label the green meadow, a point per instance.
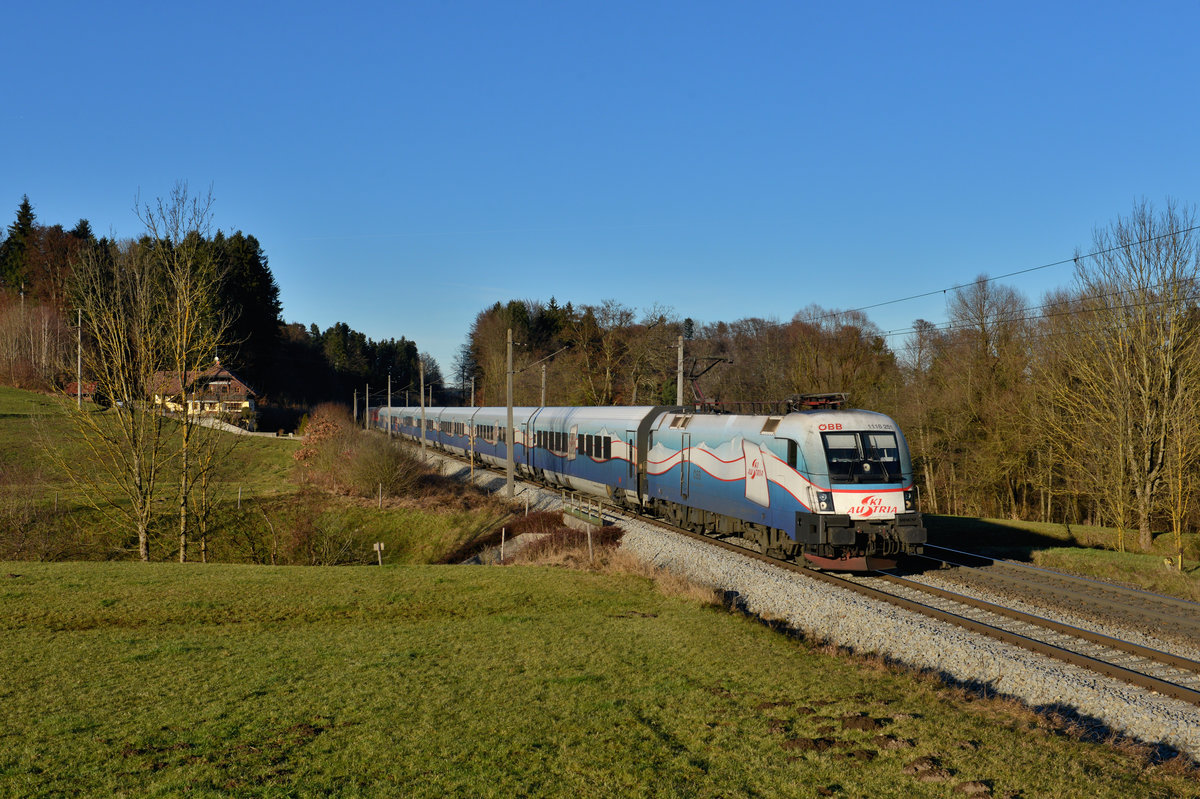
(130, 679)
(239, 678)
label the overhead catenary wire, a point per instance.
(985, 280)
(1072, 308)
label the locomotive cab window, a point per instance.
(862, 457)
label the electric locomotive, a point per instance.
(831, 486)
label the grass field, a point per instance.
(262, 514)
(127, 679)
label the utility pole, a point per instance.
(79, 363)
(679, 374)
(422, 364)
(355, 411)
(367, 408)
(389, 421)
(543, 385)
(472, 392)
(509, 465)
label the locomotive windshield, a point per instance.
(862, 457)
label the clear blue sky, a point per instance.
(405, 165)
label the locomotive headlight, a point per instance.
(824, 500)
(910, 499)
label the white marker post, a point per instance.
(379, 551)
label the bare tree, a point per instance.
(600, 338)
(150, 318)
(1087, 418)
(120, 292)
(1137, 358)
(177, 230)
(1181, 465)
(652, 354)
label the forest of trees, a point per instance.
(1083, 409)
(292, 366)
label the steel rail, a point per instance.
(1028, 573)
(1129, 647)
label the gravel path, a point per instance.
(841, 617)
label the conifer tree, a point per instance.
(14, 251)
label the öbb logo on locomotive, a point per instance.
(774, 478)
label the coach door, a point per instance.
(685, 466)
(631, 455)
(528, 446)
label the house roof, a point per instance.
(215, 379)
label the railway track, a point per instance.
(1163, 616)
(1162, 672)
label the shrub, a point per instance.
(376, 463)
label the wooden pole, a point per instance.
(79, 363)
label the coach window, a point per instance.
(607, 448)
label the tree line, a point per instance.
(1081, 409)
(292, 365)
(152, 316)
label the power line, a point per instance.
(1071, 309)
(985, 280)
